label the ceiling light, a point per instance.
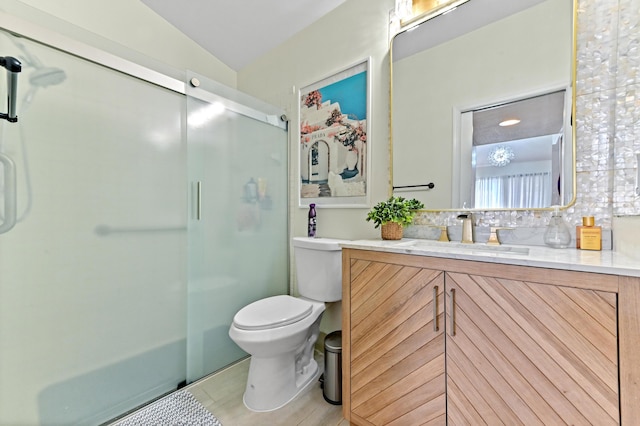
(501, 155)
(510, 122)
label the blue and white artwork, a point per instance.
(334, 137)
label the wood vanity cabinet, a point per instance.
(443, 341)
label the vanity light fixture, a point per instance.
(510, 122)
(410, 11)
(501, 155)
(404, 9)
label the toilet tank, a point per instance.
(318, 268)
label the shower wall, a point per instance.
(95, 294)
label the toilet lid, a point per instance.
(276, 311)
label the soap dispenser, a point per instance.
(557, 234)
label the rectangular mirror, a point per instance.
(456, 77)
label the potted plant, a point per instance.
(393, 215)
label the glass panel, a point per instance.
(238, 247)
(92, 277)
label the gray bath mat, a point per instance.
(178, 409)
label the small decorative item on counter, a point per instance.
(311, 226)
(557, 234)
(391, 231)
(393, 215)
(588, 236)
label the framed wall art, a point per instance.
(335, 140)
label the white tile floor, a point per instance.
(222, 392)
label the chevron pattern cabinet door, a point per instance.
(524, 353)
(397, 355)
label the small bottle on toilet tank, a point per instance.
(311, 228)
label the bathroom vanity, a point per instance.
(437, 333)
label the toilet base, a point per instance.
(273, 382)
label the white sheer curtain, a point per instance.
(527, 190)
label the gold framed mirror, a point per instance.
(455, 76)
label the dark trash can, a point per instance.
(332, 385)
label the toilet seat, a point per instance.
(272, 312)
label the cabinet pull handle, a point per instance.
(435, 309)
(452, 312)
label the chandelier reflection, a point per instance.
(501, 155)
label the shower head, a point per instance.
(41, 76)
(47, 76)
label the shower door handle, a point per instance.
(10, 200)
(198, 200)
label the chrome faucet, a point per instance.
(467, 227)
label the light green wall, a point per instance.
(354, 31)
(132, 24)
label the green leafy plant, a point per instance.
(395, 209)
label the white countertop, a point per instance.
(604, 262)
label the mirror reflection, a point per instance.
(456, 77)
(517, 154)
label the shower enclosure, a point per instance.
(147, 215)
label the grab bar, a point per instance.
(104, 230)
(10, 200)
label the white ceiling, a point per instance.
(237, 32)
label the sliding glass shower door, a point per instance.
(93, 275)
(238, 216)
(120, 279)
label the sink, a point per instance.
(455, 246)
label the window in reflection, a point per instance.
(517, 153)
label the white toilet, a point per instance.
(280, 332)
